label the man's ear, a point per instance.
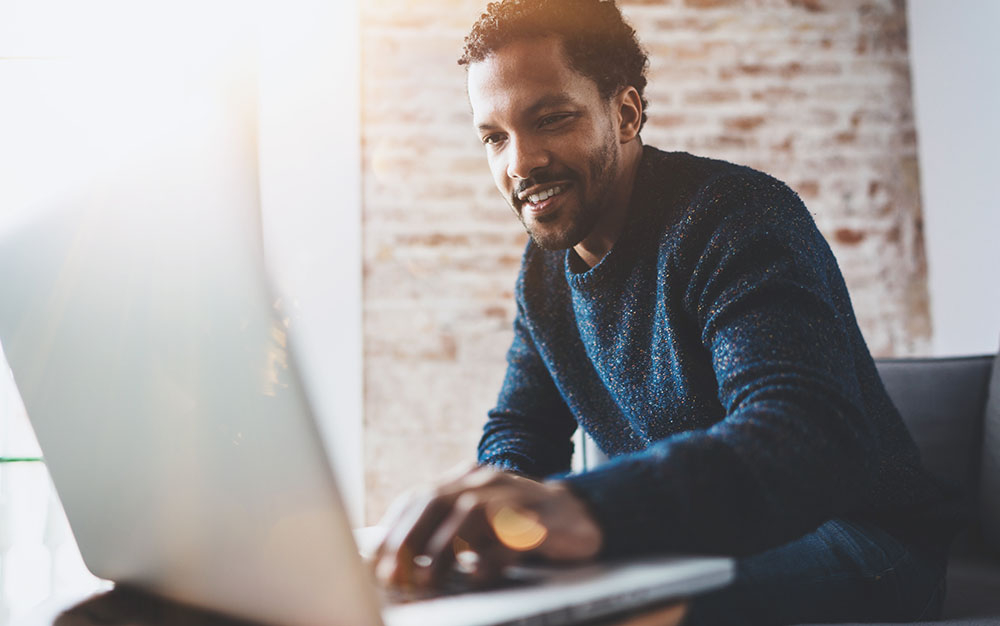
(629, 114)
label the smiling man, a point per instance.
(553, 146)
(688, 315)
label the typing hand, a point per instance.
(495, 517)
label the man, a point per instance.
(689, 316)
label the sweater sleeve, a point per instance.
(794, 448)
(530, 430)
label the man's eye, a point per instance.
(548, 120)
(495, 138)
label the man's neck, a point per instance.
(607, 230)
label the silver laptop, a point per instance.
(157, 372)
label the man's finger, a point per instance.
(412, 520)
(406, 505)
(458, 472)
(407, 538)
(465, 529)
(400, 514)
(410, 532)
(491, 562)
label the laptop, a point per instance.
(158, 373)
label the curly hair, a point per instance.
(599, 43)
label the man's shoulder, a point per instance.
(687, 174)
(710, 202)
(699, 192)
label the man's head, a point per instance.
(556, 93)
(597, 41)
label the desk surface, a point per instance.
(92, 604)
(123, 607)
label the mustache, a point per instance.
(539, 178)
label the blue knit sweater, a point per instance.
(714, 355)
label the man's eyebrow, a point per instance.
(545, 102)
(550, 100)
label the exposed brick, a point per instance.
(808, 188)
(664, 121)
(711, 96)
(496, 312)
(710, 4)
(694, 53)
(697, 23)
(894, 235)
(845, 137)
(786, 71)
(786, 145)
(778, 93)
(743, 122)
(849, 236)
(813, 6)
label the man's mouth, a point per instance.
(545, 194)
(539, 200)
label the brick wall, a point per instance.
(816, 92)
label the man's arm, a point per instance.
(795, 447)
(530, 430)
(499, 510)
(498, 516)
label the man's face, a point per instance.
(550, 137)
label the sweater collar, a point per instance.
(578, 275)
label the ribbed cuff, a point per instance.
(630, 525)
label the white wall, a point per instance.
(310, 178)
(955, 61)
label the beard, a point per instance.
(571, 225)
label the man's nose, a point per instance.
(525, 157)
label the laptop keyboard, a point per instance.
(455, 582)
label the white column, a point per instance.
(955, 60)
(310, 169)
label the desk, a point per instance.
(40, 527)
(74, 602)
(122, 607)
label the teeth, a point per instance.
(535, 198)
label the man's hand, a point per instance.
(499, 517)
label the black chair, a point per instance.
(952, 408)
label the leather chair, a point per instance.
(952, 408)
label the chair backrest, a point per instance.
(942, 402)
(989, 488)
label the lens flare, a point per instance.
(518, 530)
